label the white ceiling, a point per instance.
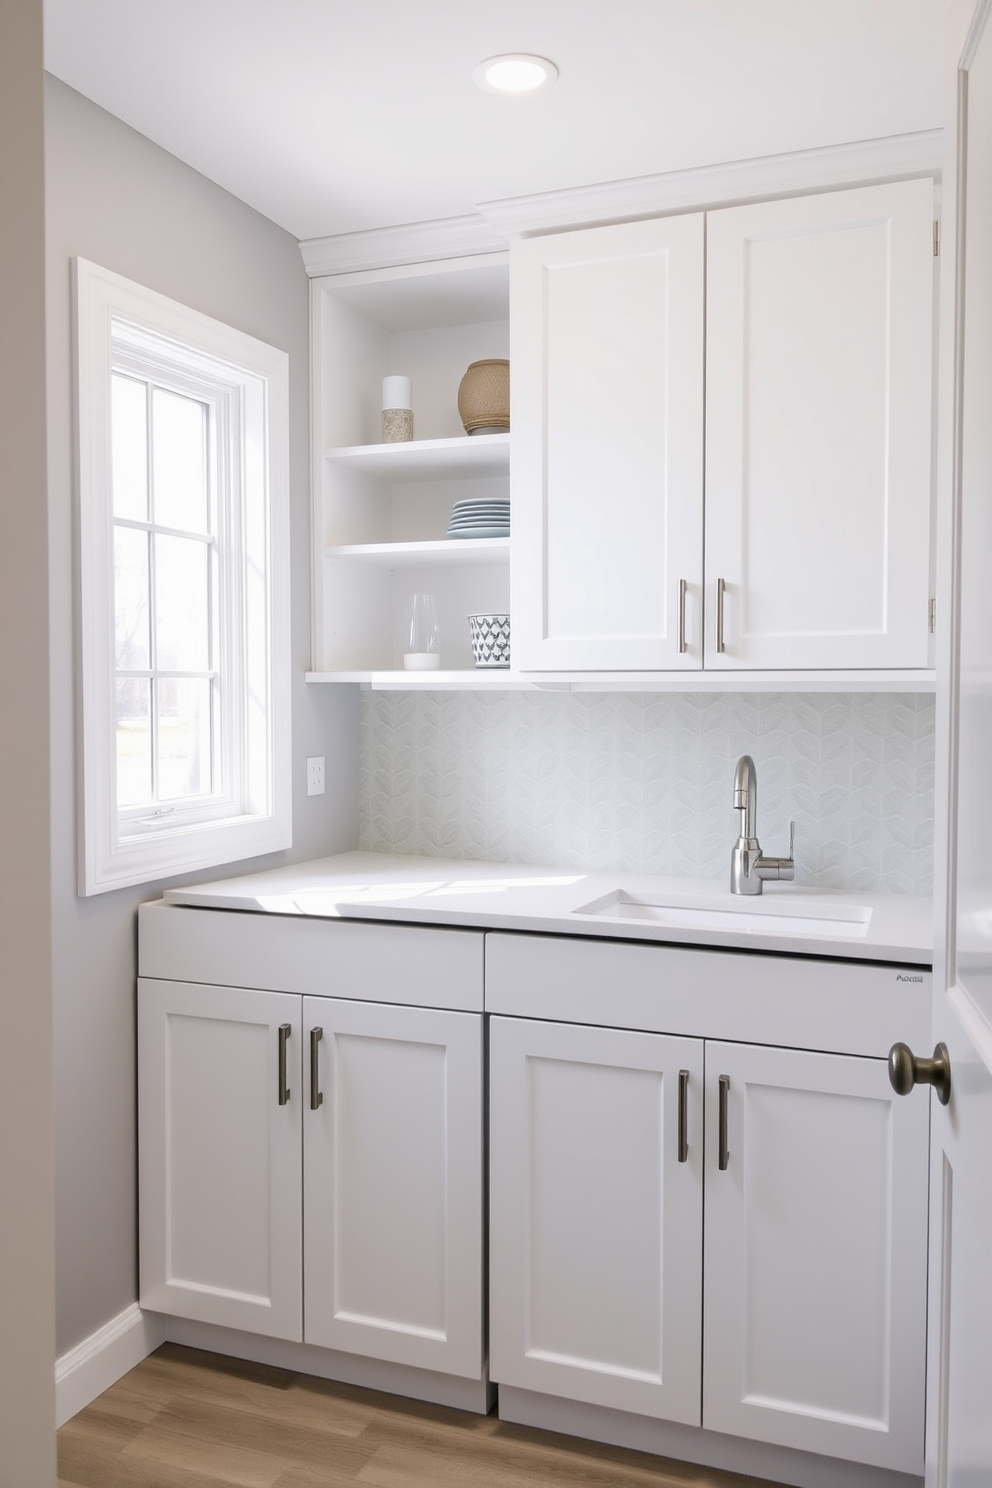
(331, 117)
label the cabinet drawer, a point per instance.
(402, 964)
(795, 1001)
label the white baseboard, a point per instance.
(100, 1360)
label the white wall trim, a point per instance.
(891, 158)
(251, 811)
(411, 242)
(102, 1359)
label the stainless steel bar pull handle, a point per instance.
(724, 1103)
(683, 1116)
(683, 586)
(721, 590)
(905, 1071)
(285, 1029)
(316, 1094)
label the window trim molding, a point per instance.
(107, 859)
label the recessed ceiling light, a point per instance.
(514, 72)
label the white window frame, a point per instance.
(252, 813)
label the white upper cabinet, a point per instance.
(818, 412)
(606, 355)
(818, 430)
(769, 365)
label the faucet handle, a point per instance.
(783, 869)
(787, 866)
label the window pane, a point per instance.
(179, 460)
(182, 611)
(183, 737)
(131, 598)
(134, 742)
(129, 446)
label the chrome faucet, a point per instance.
(748, 869)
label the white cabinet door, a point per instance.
(816, 1253)
(393, 1192)
(607, 470)
(220, 1185)
(596, 1224)
(819, 329)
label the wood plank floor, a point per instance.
(185, 1419)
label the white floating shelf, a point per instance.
(495, 679)
(511, 681)
(443, 553)
(428, 459)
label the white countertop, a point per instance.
(500, 896)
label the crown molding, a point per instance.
(900, 155)
(410, 243)
(488, 229)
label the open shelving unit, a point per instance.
(381, 511)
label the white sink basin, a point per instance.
(771, 917)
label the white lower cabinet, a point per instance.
(219, 1180)
(794, 1313)
(815, 1255)
(597, 1215)
(392, 1184)
(311, 1169)
(705, 1226)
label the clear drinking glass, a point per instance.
(422, 634)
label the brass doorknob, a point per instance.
(905, 1071)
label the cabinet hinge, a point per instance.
(936, 238)
(933, 616)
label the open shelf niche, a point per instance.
(381, 510)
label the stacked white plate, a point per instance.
(480, 518)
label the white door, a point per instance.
(959, 1435)
(393, 1190)
(596, 1215)
(816, 1255)
(220, 1195)
(607, 469)
(819, 331)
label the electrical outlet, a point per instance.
(315, 775)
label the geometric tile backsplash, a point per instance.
(644, 781)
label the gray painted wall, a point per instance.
(27, 1387)
(115, 198)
